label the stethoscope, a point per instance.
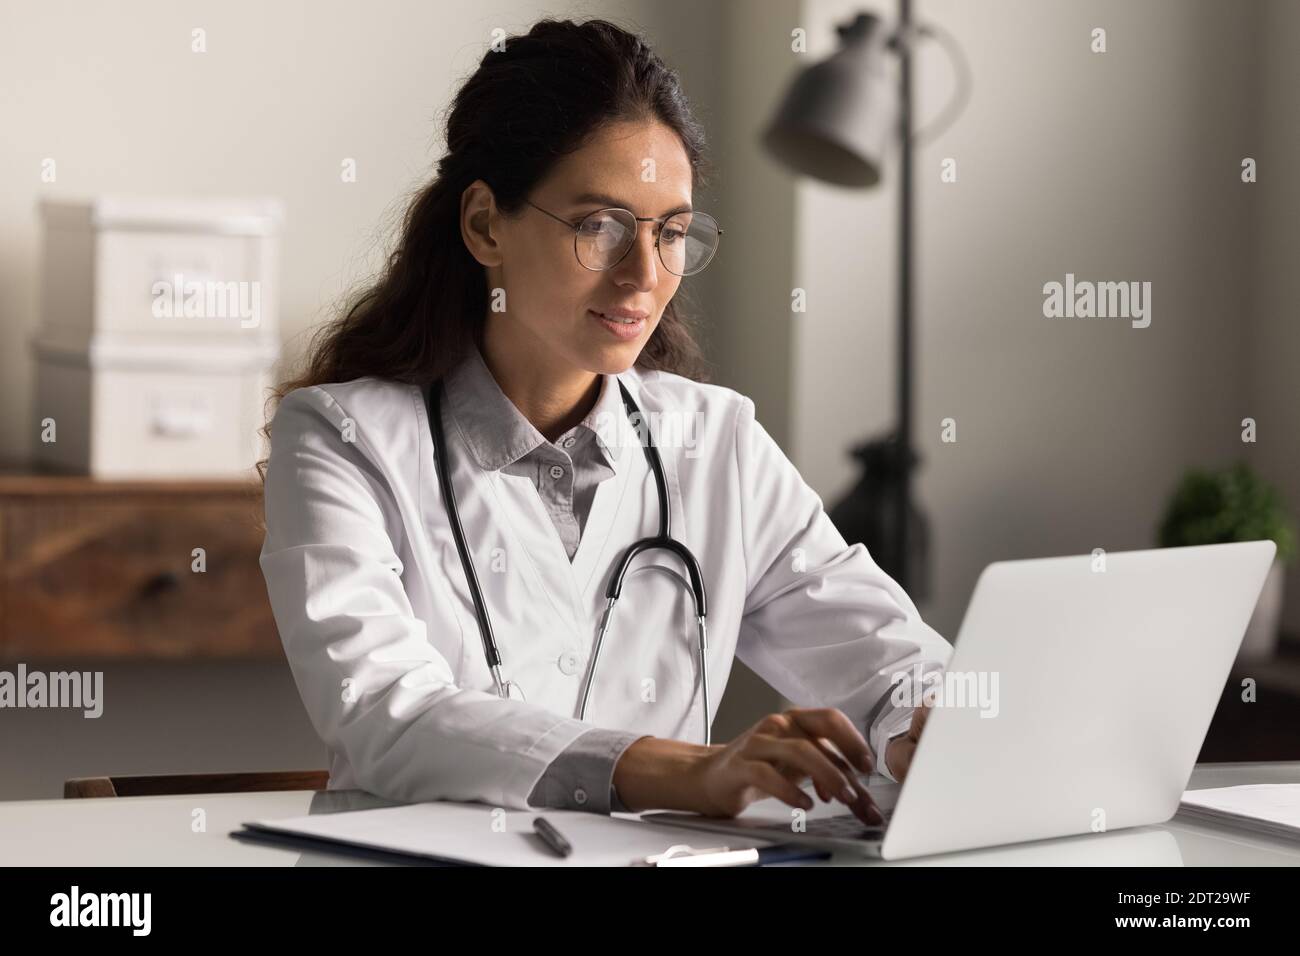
(662, 541)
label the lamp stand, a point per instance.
(878, 511)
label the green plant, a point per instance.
(1233, 504)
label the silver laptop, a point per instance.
(1078, 695)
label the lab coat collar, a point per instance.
(498, 433)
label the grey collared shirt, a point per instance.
(565, 473)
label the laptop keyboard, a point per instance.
(844, 826)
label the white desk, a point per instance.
(157, 831)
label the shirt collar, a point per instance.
(498, 433)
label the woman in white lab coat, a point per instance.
(503, 291)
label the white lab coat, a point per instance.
(377, 623)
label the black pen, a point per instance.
(551, 837)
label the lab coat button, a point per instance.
(557, 471)
(568, 442)
(580, 796)
(569, 662)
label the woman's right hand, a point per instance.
(781, 751)
(771, 758)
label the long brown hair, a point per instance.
(524, 107)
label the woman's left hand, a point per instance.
(899, 752)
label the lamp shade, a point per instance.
(837, 118)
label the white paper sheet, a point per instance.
(1276, 804)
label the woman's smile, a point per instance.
(625, 328)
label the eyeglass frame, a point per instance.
(577, 228)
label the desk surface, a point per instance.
(160, 831)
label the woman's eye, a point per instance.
(670, 235)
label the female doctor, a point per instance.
(443, 594)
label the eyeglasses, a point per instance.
(685, 241)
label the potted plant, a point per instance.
(1235, 504)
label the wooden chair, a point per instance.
(162, 784)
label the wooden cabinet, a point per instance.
(157, 569)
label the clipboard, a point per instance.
(476, 834)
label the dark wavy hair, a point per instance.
(523, 109)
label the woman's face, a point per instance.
(550, 298)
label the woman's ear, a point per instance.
(478, 220)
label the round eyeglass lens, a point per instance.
(604, 236)
(687, 242)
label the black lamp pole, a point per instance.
(903, 509)
(835, 124)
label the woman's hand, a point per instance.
(900, 751)
(778, 753)
(772, 758)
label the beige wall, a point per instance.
(1273, 354)
(755, 266)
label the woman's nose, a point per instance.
(641, 265)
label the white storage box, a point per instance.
(151, 414)
(154, 269)
(158, 338)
